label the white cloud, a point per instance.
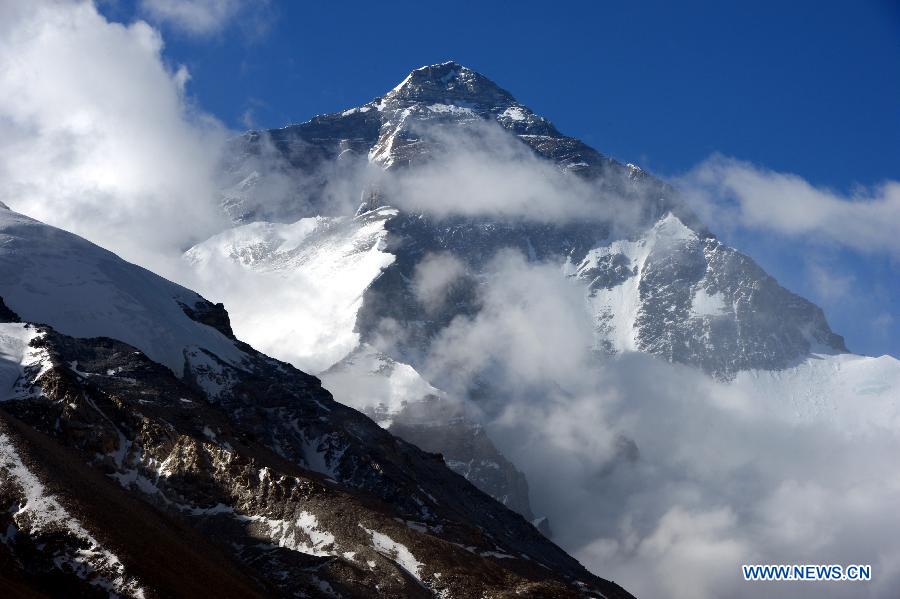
(480, 170)
(657, 476)
(531, 329)
(828, 283)
(727, 192)
(434, 277)
(652, 474)
(96, 135)
(198, 17)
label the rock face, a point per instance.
(236, 477)
(693, 300)
(284, 489)
(396, 397)
(466, 449)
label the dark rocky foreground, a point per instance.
(117, 477)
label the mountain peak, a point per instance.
(450, 82)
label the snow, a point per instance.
(708, 304)
(41, 512)
(847, 392)
(319, 538)
(212, 376)
(615, 310)
(497, 554)
(371, 382)
(514, 113)
(316, 454)
(283, 533)
(382, 153)
(16, 355)
(633, 169)
(397, 552)
(293, 290)
(400, 85)
(104, 296)
(451, 109)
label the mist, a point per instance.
(656, 475)
(116, 153)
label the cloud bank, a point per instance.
(726, 192)
(97, 135)
(201, 17)
(656, 475)
(479, 170)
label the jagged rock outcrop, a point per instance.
(396, 397)
(287, 490)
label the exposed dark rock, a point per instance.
(7, 315)
(433, 425)
(210, 314)
(278, 489)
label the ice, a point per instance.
(293, 290)
(104, 296)
(16, 355)
(397, 552)
(708, 304)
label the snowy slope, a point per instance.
(688, 298)
(377, 385)
(293, 290)
(613, 273)
(850, 393)
(17, 356)
(50, 276)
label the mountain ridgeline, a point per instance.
(667, 269)
(127, 472)
(654, 278)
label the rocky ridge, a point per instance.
(111, 460)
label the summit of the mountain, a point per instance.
(450, 82)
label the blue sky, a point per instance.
(803, 87)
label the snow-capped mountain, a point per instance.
(311, 273)
(182, 462)
(667, 286)
(103, 295)
(657, 281)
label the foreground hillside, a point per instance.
(125, 471)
